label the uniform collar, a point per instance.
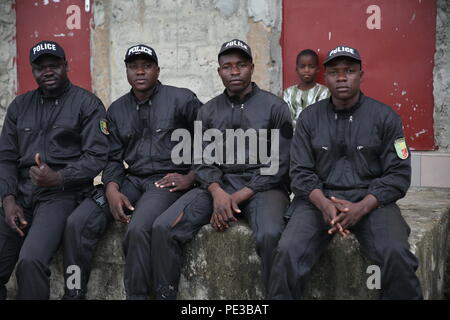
(234, 99)
(347, 111)
(155, 90)
(66, 88)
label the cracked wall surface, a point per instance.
(442, 77)
(7, 58)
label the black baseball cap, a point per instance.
(236, 44)
(141, 50)
(46, 47)
(342, 51)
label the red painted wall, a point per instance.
(64, 21)
(396, 39)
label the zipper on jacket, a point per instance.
(232, 115)
(240, 119)
(47, 127)
(354, 153)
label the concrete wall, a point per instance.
(8, 52)
(442, 77)
(186, 36)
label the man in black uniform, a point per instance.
(349, 165)
(51, 148)
(141, 123)
(231, 188)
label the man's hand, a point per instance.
(177, 181)
(14, 215)
(242, 195)
(329, 211)
(353, 212)
(43, 176)
(224, 208)
(117, 201)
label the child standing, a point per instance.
(307, 91)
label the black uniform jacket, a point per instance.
(349, 154)
(259, 110)
(65, 131)
(140, 133)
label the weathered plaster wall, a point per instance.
(442, 77)
(186, 36)
(8, 52)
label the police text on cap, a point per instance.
(235, 43)
(44, 46)
(341, 49)
(139, 49)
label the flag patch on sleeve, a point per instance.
(401, 148)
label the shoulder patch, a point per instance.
(104, 126)
(401, 148)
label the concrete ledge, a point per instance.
(226, 266)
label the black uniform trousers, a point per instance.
(88, 223)
(179, 224)
(46, 217)
(382, 234)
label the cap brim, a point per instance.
(40, 54)
(142, 55)
(234, 48)
(340, 56)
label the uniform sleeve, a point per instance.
(9, 153)
(396, 177)
(205, 173)
(189, 111)
(94, 146)
(304, 178)
(282, 121)
(114, 170)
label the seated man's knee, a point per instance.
(137, 233)
(88, 219)
(282, 250)
(268, 238)
(78, 217)
(29, 263)
(161, 227)
(395, 250)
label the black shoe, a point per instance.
(166, 293)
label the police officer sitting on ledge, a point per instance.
(233, 189)
(140, 125)
(51, 148)
(349, 166)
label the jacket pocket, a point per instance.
(64, 142)
(367, 161)
(324, 160)
(28, 140)
(162, 145)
